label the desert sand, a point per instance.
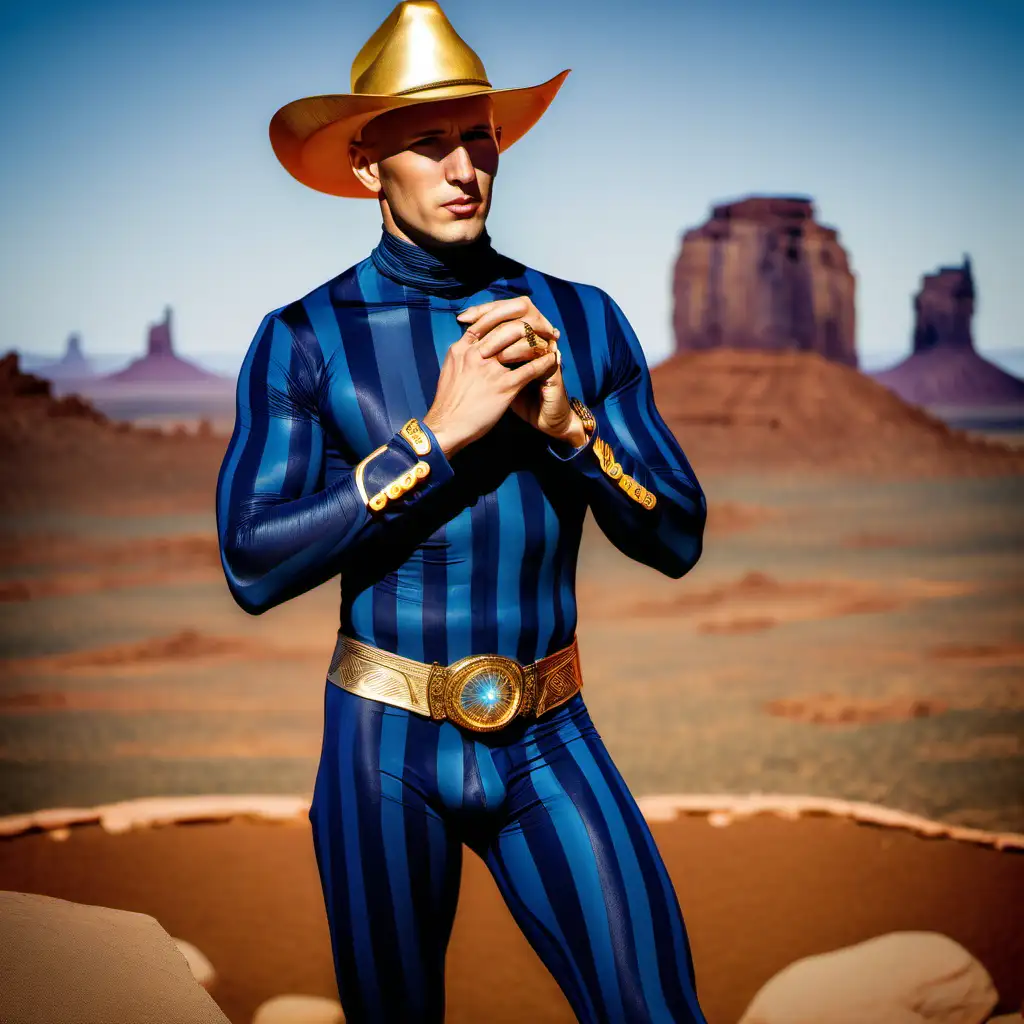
(852, 632)
(758, 892)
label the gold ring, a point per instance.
(530, 334)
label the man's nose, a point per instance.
(458, 166)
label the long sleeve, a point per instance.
(640, 487)
(281, 530)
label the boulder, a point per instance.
(64, 961)
(898, 978)
(299, 1009)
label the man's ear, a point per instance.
(497, 134)
(364, 168)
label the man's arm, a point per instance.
(639, 484)
(281, 532)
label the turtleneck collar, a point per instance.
(453, 272)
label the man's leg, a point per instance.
(389, 866)
(579, 870)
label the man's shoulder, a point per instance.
(587, 293)
(556, 283)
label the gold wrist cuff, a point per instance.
(416, 436)
(585, 415)
(605, 457)
(399, 485)
(637, 491)
(420, 442)
(361, 467)
(613, 470)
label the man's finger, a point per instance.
(546, 327)
(512, 328)
(500, 311)
(551, 378)
(532, 369)
(558, 355)
(473, 312)
(503, 336)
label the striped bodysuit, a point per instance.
(479, 557)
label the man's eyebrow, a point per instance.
(440, 131)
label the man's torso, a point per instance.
(491, 567)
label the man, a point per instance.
(408, 425)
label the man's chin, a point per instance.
(462, 232)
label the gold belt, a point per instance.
(480, 692)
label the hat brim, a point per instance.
(311, 136)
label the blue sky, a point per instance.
(137, 170)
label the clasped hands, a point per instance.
(492, 368)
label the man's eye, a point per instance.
(479, 133)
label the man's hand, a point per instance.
(474, 388)
(542, 402)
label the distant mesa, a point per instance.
(763, 274)
(944, 369)
(160, 365)
(73, 365)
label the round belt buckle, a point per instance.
(484, 691)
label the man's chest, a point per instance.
(381, 370)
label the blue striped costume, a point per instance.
(480, 557)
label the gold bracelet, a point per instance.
(586, 417)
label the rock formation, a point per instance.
(761, 273)
(943, 308)
(786, 411)
(64, 453)
(160, 365)
(73, 365)
(944, 368)
(114, 965)
(25, 397)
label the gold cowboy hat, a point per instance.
(414, 57)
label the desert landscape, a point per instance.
(844, 669)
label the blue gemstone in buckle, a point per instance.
(486, 695)
(484, 692)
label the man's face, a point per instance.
(421, 158)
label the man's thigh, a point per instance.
(580, 872)
(389, 865)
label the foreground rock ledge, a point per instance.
(721, 809)
(64, 961)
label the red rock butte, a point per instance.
(160, 365)
(762, 273)
(73, 365)
(944, 367)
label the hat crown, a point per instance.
(415, 49)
